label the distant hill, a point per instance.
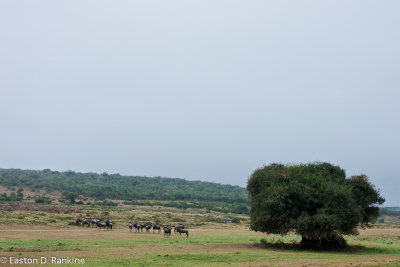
(213, 196)
(389, 212)
(393, 208)
(390, 215)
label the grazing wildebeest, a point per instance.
(148, 227)
(93, 221)
(178, 227)
(183, 231)
(130, 226)
(85, 222)
(144, 225)
(167, 231)
(156, 227)
(109, 224)
(137, 226)
(79, 220)
(101, 225)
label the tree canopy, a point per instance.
(315, 200)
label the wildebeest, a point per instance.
(183, 231)
(93, 221)
(148, 227)
(156, 227)
(85, 222)
(101, 224)
(109, 224)
(137, 226)
(145, 225)
(79, 220)
(130, 226)
(167, 230)
(178, 227)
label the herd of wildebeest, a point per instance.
(180, 228)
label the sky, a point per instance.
(202, 90)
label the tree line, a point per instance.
(226, 198)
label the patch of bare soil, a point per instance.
(25, 250)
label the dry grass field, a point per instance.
(213, 241)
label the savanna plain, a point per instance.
(215, 239)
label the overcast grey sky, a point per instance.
(205, 90)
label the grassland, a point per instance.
(204, 247)
(214, 240)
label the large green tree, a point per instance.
(314, 200)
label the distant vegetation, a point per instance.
(10, 197)
(132, 189)
(393, 208)
(390, 211)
